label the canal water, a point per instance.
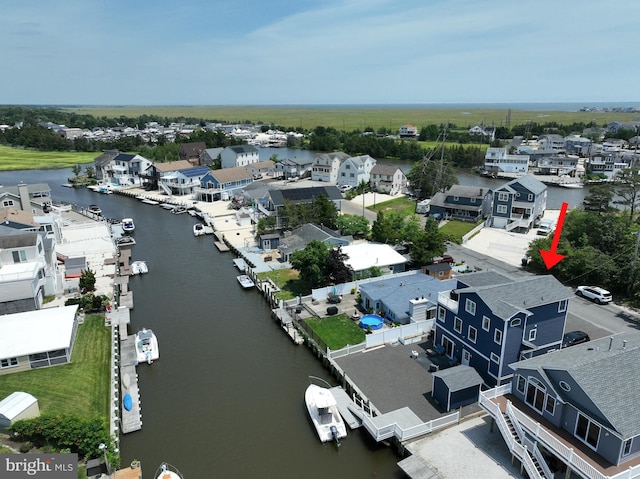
(226, 397)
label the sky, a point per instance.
(317, 52)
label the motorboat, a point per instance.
(198, 229)
(178, 210)
(95, 209)
(245, 281)
(146, 346)
(323, 410)
(139, 267)
(127, 225)
(125, 240)
(167, 471)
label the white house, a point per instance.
(355, 170)
(22, 270)
(37, 339)
(363, 256)
(123, 169)
(326, 165)
(408, 131)
(239, 155)
(388, 179)
(498, 160)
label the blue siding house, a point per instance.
(223, 184)
(519, 204)
(575, 409)
(466, 203)
(489, 320)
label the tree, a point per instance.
(430, 242)
(599, 199)
(311, 262)
(429, 176)
(90, 171)
(628, 188)
(87, 280)
(324, 211)
(76, 169)
(354, 225)
(337, 270)
(387, 228)
(265, 225)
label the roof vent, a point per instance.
(610, 343)
(624, 344)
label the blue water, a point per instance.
(372, 320)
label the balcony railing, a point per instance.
(446, 300)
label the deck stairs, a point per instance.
(518, 223)
(522, 448)
(165, 188)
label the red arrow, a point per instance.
(551, 258)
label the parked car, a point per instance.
(345, 188)
(594, 293)
(445, 258)
(574, 337)
(546, 227)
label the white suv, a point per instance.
(598, 295)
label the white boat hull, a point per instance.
(324, 413)
(146, 346)
(245, 281)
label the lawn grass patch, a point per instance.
(456, 229)
(289, 282)
(80, 388)
(337, 331)
(12, 159)
(401, 206)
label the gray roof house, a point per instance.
(239, 155)
(518, 204)
(276, 199)
(466, 203)
(34, 198)
(300, 237)
(576, 408)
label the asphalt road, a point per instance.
(596, 320)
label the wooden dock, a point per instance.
(131, 420)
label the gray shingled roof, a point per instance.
(530, 183)
(459, 377)
(484, 278)
(299, 195)
(505, 300)
(609, 377)
(12, 238)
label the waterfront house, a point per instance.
(499, 160)
(388, 179)
(489, 321)
(239, 155)
(403, 298)
(518, 204)
(487, 132)
(326, 165)
(363, 256)
(36, 339)
(293, 167)
(575, 409)
(551, 142)
(261, 169)
(466, 203)
(103, 161)
(34, 198)
(222, 184)
(300, 237)
(408, 131)
(192, 152)
(355, 170)
(23, 270)
(577, 145)
(152, 177)
(124, 169)
(558, 165)
(184, 181)
(606, 162)
(275, 200)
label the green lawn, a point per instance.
(456, 229)
(21, 159)
(402, 206)
(337, 331)
(81, 387)
(289, 283)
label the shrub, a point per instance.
(26, 447)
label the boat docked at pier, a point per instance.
(167, 471)
(245, 281)
(146, 346)
(323, 410)
(139, 267)
(198, 229)
(128, 226)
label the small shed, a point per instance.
(456, 387)
(438, 270)
(18, 405)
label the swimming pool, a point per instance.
(372, 321)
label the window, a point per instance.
(7, 203)
(457, 325)
(456, 198)
(473, 200)
(19, 256)
(486, 323)
(470, 307)
(503, 196)
(564, 385)
(501, 209)
(535, 394)
(441, 314)
(516, 322)
(587, 431)
(495, 358)
(550, 407)
(497, 336)
(8, 363)
(530, 197)
(626, 447)
(562, 306)
(532, 334)
(521, 384)
(472, 334)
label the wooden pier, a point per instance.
(131, 420)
